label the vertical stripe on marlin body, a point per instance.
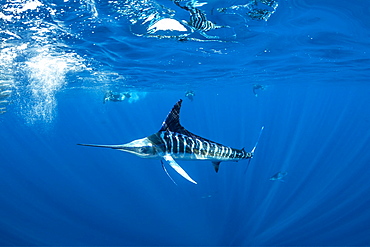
(173, 142)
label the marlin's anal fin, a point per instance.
(216, 165)
(177, 168)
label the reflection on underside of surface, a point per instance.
(150, 19)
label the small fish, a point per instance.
(257, 87)
(279, 176)
(190, 94)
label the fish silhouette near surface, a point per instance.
(173, 142)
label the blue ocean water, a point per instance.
(300, 68)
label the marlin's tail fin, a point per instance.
(259, 136)
(254, 148)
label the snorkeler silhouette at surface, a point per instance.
(115, 96)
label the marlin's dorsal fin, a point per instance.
(172, 124)
(172, 121)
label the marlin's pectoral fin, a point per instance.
(177, 168)
(165, 170)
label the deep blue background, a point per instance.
(313, 59)
(55, 192)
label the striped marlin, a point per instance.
(173, 142)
